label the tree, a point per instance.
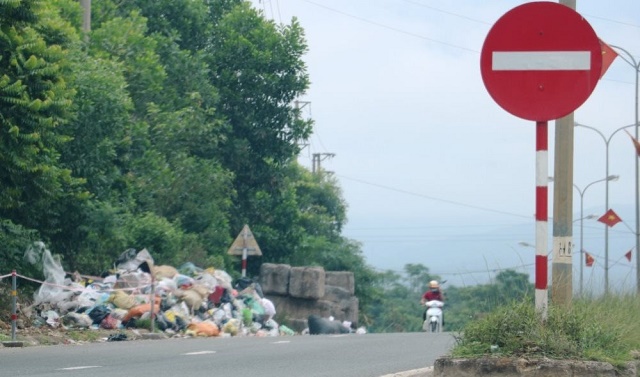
(259, 72)
(465, 304)
(125, 40)
(35, 101)
(182, 129)
(418, 278)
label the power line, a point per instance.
(279, 14)
(362, 19)
(611, 20)
(447, 12)
(437, 199)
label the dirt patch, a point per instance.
(49, 336)
(518, 367)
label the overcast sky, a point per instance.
(432, 169)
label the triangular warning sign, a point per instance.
(245, 240)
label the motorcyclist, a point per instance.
(434, 293)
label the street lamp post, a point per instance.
(581, 192)
(629, 59)
(606, 195)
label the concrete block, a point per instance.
(342, 279)
(307, 282)
(274, 278)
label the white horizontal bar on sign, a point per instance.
(541, 60)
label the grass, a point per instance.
(602, 329)
(84, 335)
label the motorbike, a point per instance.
(433, 318)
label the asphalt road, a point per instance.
(350, 355)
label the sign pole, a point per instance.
(541, 61)
(244, 262)
(244, 253)
(542, 177)
(245, 244)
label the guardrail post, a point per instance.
(14, 312)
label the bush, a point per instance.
(602, 329)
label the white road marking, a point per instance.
(282, 342)
(541, 61)
(198, 353)
(80, 368)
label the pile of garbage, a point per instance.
(187, 300)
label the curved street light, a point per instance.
(607, 140)
(629, 59)
(582, 217)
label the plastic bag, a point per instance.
(284, 330)
(53, 319)
(77, 320)
(231, 327)
(110, 322)
(51, 267)
(122, 300)
(132, 261)
(189, 269)
(98, 313)
(223, 278)
(203, 329)
(117, 337)
(183, 281)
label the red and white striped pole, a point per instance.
(244, 261)
(14, 305)
(542, 178)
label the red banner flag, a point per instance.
(610, 218)
(628, 255)
(635, 142)
(608, 56)
(588, 259)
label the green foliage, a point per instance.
(156, 234)
(258, 70)
(468, 303)
(100, 238)
(602, 329)
(13, 241)
(189, 20)
(394, 298)
(102, 107)
(35, 100)
(393, 303)
(125, 40)
(168, 127)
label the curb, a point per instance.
(13, 344)
(153, 336)
(423, 372)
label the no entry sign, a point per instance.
(541, 61)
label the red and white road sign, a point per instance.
(541, 61)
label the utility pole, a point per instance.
(317, 159)
(299, 105)
(86, 18)
(561, 269)
(86, 15)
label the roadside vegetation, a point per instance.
(598, 329)
(168, 127)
